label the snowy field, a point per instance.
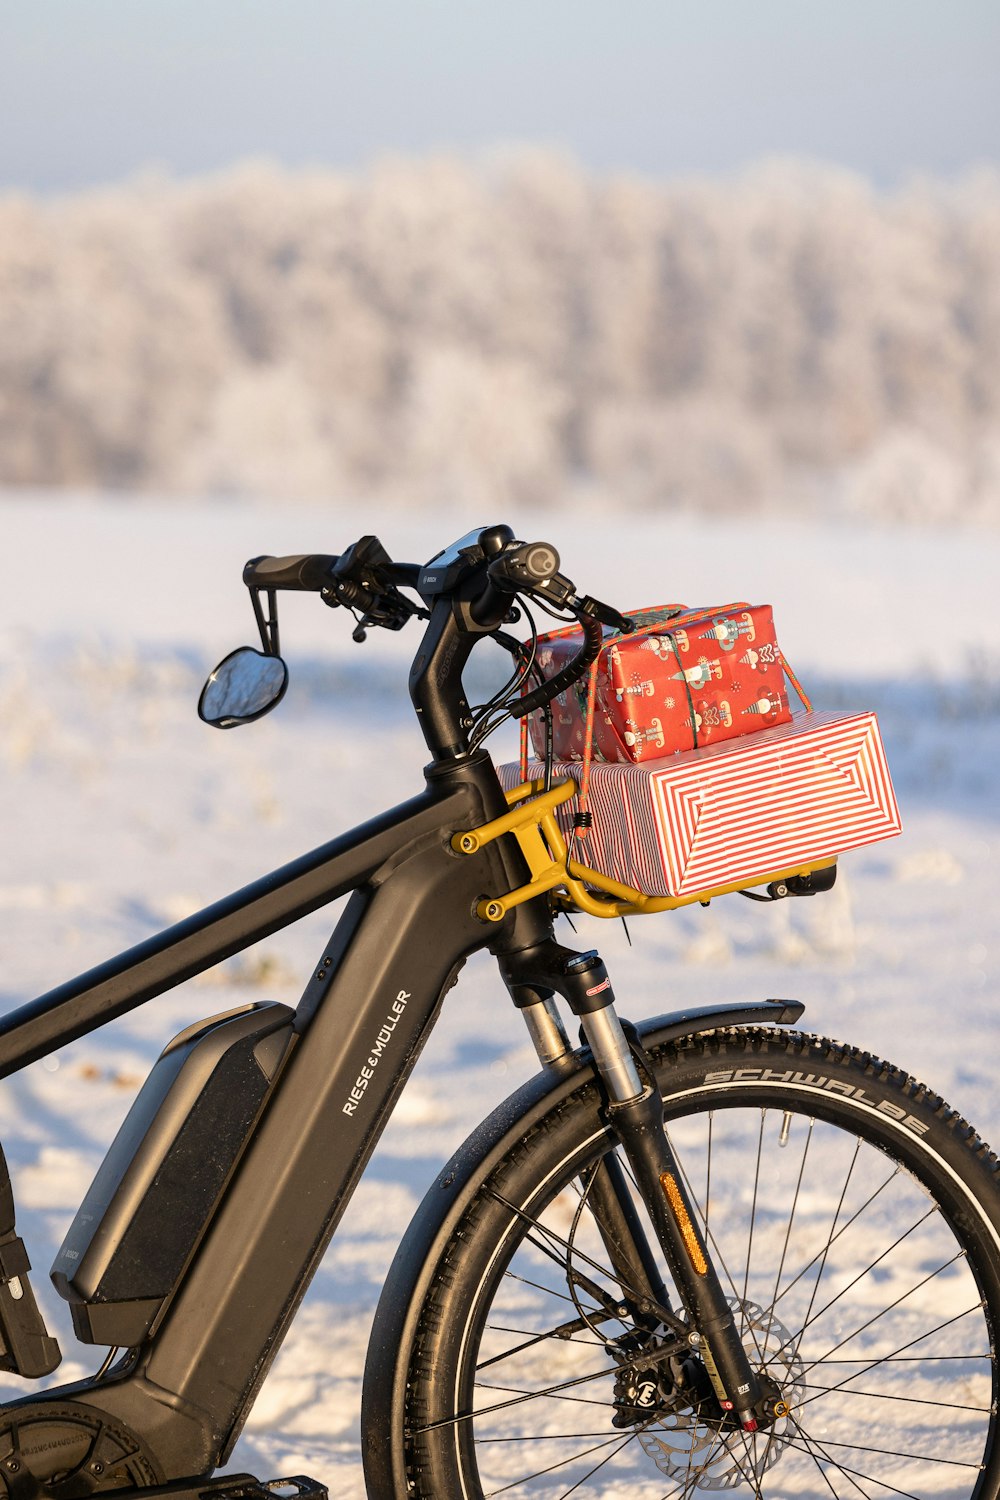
(120, 813)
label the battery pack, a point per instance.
(166, 1171)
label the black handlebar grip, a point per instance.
(593, 639)
(306, 571)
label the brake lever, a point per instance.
(357, 582)
(389, 610)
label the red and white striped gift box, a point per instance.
(744, 808)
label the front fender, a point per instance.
(415, 1262)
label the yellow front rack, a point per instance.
(531, 819)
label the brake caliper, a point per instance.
(644, 1384)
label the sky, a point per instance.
(94, 90)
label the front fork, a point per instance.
(635, 1113)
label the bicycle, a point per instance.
(703, 1252)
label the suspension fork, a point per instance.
(635, 1113)
(625, 1241)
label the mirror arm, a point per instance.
(268, 626)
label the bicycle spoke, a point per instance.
(922, 1458)
(823, 1249)
(851, 1475)
(834, 1237)
(815, 1452)
(788, 1227)
(547, 1393)
(544, 1437)
(752, 1478)
(882, 1313)
(597, 1467)
(564, 1244)
(835, 1233)
(807, 1449)
(919, 1359)
(873, 1364)
(539, 1286)
(532, 1339)
(866, 1272)
(887, 1396)
(753, 1205)
(551, 1468)
(769, 1445)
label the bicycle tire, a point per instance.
(855, 1221)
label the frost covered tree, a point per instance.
(510, 327)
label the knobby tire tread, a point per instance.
(949, 1138)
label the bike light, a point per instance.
(689, 1234)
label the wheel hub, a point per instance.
(677, 1417)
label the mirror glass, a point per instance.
(243, 686)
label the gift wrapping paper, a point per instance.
(704, 677)
(793, 794)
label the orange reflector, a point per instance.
(689, 1234)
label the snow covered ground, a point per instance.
(120, 812)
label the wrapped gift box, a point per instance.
(687, 678)
(569, 708)
(734, 811)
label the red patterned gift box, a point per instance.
(737, 810)
(687, 677)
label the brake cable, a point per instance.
(504, 700)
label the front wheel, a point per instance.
(854, 1221)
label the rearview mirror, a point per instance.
(245, 685)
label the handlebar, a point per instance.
(308, 571)
(315, 572)
(468, 592)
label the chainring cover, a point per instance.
(67, 1451)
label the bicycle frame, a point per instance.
(406, 931)
(415, 913)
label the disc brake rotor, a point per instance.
(704, 1453)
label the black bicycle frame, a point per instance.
(201, 1342)
(363, 1018)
